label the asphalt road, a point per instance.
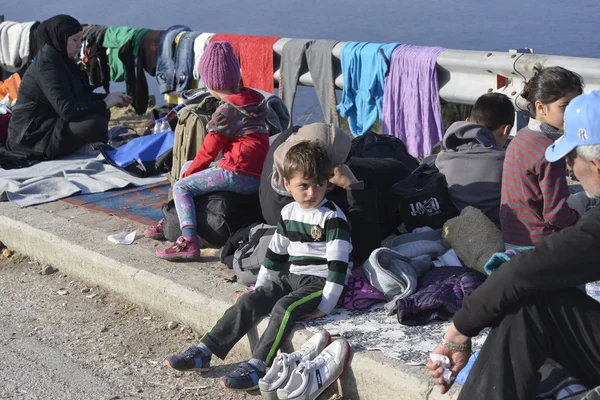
(92, 345)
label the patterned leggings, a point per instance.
(206, 181)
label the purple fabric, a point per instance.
(440, 295)
(359, 294)
(411, 103)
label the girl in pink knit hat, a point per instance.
(237, 128)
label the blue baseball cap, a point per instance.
(582, 126)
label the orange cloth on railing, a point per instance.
(256, 58)
(10, 87)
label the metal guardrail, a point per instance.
(464, 75)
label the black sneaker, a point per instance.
(244, 377)
(190, 360)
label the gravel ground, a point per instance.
(89, 344)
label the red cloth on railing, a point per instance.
(256, 58)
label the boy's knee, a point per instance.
(280, 308)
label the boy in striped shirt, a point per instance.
(313, 236)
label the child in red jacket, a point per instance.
(237, 128)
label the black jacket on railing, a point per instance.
(52, 94)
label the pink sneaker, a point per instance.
(156, 232)
(183, 249)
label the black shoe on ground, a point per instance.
(244, 377)
(190, 360)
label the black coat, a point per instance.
(52, 94)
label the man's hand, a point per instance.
(342, 176)
(313, 315)
(458, 359)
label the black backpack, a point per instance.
(218, 216)
(251, 253)
(424, 199)
(231, 245)
(373, 145)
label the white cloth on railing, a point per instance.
(200, 44)
(14, 45)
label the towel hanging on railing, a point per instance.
(319, 59)
(364, 72)
(411, 102)
(256, 58)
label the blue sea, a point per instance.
(550, 26)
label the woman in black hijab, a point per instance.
(56, 112)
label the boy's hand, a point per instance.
(313, 315)
(238, 294)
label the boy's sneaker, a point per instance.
(156, 232)
(284, 364)
(183, 249)
(244, 377)
(193, 359)
(311, 378)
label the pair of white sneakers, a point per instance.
(308, 372)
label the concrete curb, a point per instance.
(83, 253)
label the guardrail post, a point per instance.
(521, 117)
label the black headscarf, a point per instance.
(56, 31)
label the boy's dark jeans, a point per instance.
(286, 298)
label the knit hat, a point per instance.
(219, 66)
(336, 142)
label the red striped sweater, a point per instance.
(534, 191)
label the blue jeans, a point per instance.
(165, 65)
(184, 61)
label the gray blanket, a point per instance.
(80, 173)
(373, 330)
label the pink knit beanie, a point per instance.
(219, 66)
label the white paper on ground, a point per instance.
(122, 238)
(445, 361)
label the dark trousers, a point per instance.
(563, 325)
(94, 128)
(287, 299)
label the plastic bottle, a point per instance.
(593, 290)
(157, 126)
(164, 125)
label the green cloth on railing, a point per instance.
(136, 40)
(114, 38)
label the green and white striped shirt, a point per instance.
(315, 242)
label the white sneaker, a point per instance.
(284, 364)
(311, 378)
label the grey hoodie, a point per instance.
(472, 164)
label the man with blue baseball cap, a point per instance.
(579, 145)
(532, 303)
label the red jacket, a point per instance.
(238, 128)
